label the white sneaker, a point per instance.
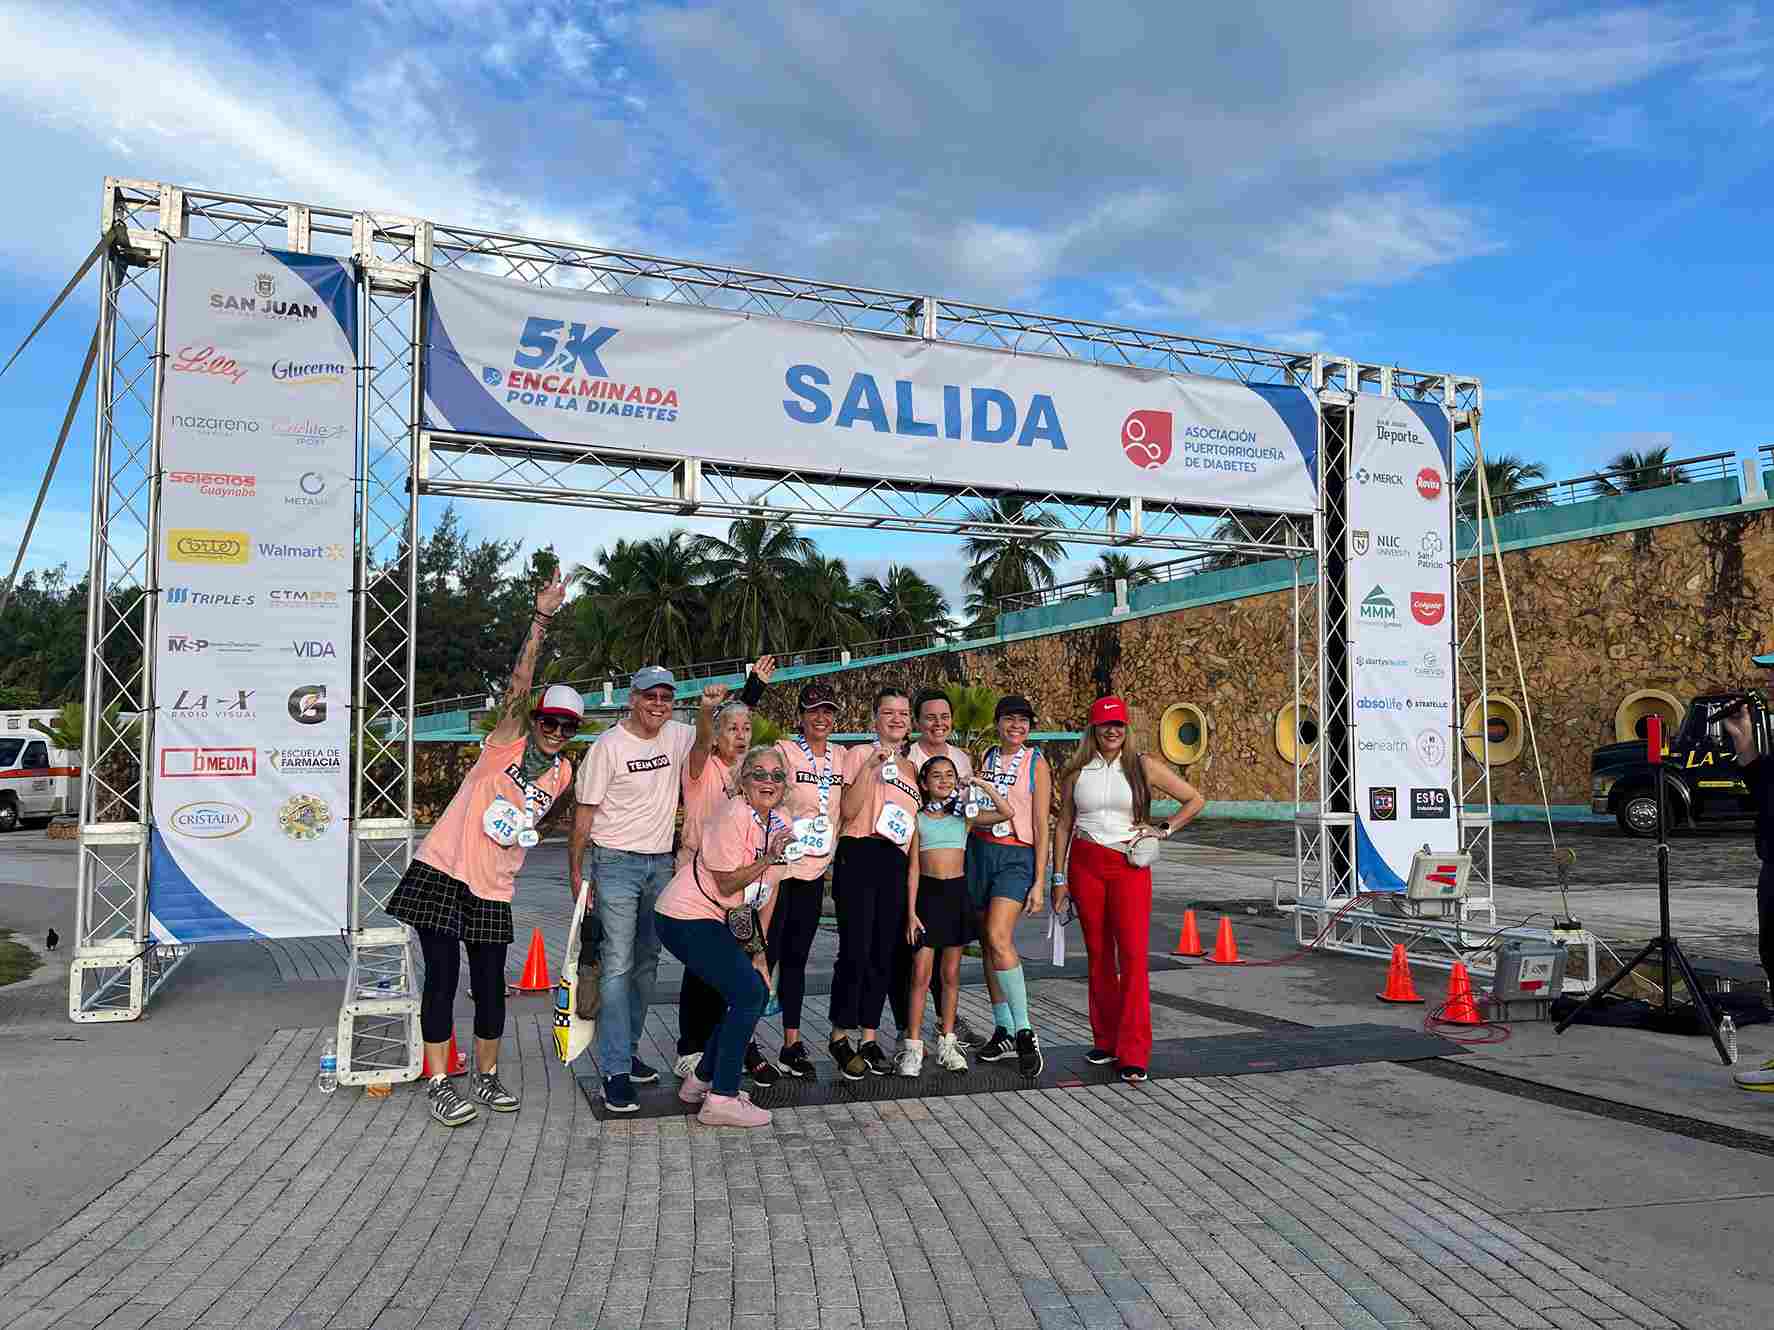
(910, 1059)
(949, 1055)
(1761, 1079)
(685, 1067)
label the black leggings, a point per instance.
(794, 923)
(868, 888)
(443, 967)
(700, 1008)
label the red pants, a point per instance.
(1115, 910)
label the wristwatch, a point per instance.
(1058, 879)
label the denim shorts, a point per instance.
(999, 872)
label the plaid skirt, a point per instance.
(440, 903)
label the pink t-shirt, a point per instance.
(703, 797)
(633, 784)
(802, 797)
(903, 791)
(459, 844)
(732, 838)
(1019, 795)
(963, 763)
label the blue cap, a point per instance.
(653, 676)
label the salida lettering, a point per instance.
(991, 415)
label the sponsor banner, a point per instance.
(253, 660)
(1400, 587)
(509, 360)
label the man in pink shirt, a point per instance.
(628, 791)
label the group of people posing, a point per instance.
(925, 853)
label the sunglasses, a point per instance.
(776, 775)
(557, 724)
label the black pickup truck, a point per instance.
(1703, 784)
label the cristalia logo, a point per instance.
(1427, 607)
(1146, 438)
(1429, 483)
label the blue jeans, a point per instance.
(709, 952)
(628, 887)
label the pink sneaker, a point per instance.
(692, 1091)
(719, 1110)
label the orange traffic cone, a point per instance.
(535, 978)
(1225, 949)
(1189, 941)
(458, 1064)
(1460, 1009)
(1399, 987)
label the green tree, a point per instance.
(1646, 469)
(826, 608)
(1514, 484)
(1112, 566)
(658, 600)
(43, 639)
(903, 603)
(749, 577)
(972, 705)
(1009, 564)
(463, 612)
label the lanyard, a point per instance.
(774, 824)
(825, 774)
(1004, 782)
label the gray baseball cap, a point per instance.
(651, 677)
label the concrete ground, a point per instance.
(183, 1171)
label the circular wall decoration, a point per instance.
(1632, 718)
(1500, 720)
(1295, 750)
(1182, 733)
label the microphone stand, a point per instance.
(1663, 945)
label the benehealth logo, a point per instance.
(1378, 608)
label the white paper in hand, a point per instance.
(1056, 936)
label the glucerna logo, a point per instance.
(975, 415)
(309, 371)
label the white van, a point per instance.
(37, 781)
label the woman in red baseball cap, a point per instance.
(1106, 842)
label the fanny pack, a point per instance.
(743, 921)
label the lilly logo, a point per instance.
(1145, 438)
(209, 819)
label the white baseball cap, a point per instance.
(561, 700)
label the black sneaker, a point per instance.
(850, 1064)
(762, 1071)
(619, 1095)
(999, 1047)
(796, 1063)
(447, 1106)
(968, 1037)
(878, 1063)
(1099, 1057)
(641, 1074)
(1028, 1053)
(1133, 1075)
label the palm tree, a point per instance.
(1006, 565)
(1270, 528)
(1646, 470)
(594, 641)
(827, 609)
(1512, 481)
(904, 604)
(748, 576)
(657, 601)
(1113, 566)
(972, 706)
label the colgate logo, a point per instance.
(1145, 438)
(1427, 607)
(1429, 483)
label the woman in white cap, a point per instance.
(1106, 842)
(457, 891)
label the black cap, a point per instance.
(817, 695)
(1013, 704)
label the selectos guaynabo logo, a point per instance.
(195, 545)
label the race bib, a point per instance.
(502, 821)
(895, 823)
(793, 852)
(1004, 829)
(814, 835)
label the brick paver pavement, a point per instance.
(1208, 1204)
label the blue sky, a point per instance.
(1566, 201)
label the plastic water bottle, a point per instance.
(1728, 1033)
(329, 1066)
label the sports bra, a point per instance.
(945, 831)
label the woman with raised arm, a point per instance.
(1107, 841)
(457, 891)
(880, 810)
(713, 916)
(1006, 867)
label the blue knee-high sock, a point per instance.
(1001, 1016)
(1016, 998)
